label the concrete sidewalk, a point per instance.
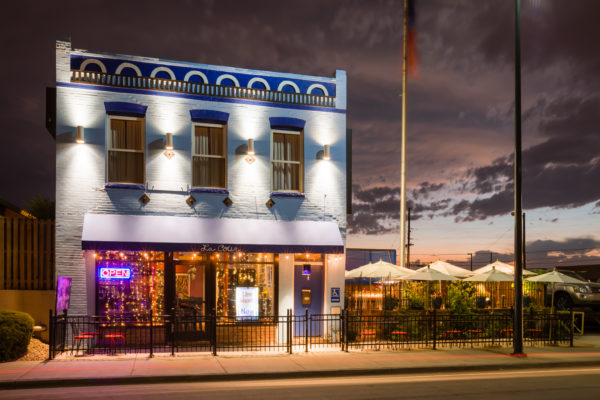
(129, 369)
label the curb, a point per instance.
(133, 380)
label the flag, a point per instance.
(411, 50)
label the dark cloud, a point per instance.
(425, 189)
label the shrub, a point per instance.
(461, 297)
(16, 329)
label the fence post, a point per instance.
(50, 334)
(213, 322)
(342, 319)
(346, 330)
(172, 335)
(306, 327)
(434, 330)
(64, 344)
(571, 326)
(289, 330)
(151, 335)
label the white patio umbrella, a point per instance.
(380, 269)
(428, 275)
(502, 267)
(447, 268)
(553, 278)
(491, 276)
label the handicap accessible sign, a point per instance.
(335, 294)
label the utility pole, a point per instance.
(471, 254)
(491, 257)
(408, 243)
(524, 255)
(518, 173)
(403, 141)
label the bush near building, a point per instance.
(16, 329)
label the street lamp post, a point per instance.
(471, 254)
(518, 294)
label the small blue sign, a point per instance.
(335, 294)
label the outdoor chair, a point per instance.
(82, 337)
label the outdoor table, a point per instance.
(535, 333)
(452, 334)
(400, 334)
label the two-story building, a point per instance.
(185, 185)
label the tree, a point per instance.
(40, 207)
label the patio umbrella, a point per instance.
(447, 268)
(491, 276)
(380, 269)
(555, 277)
(428, 275)
(502, 267)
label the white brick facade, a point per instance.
(80, 168)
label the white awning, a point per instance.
(169, 233)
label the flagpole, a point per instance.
(403, 146)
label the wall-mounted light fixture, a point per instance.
(80, 135)
(250, 153)
(326, 153)
(169, 153)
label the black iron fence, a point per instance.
(149, 333)
(442, 330)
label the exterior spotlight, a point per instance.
(169, 145)
(169, 153)
(190, 201)
(326, 153)
(80, 135)
(250, 153)
(144, 199)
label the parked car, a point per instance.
(567, 295)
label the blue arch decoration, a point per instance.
(125, 109)
(181, 71)
(287, 123)
(209, 116)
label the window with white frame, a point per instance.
(287, 161)
(209, 158)
(125, 160)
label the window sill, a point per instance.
(124, 186)
(292, 195)
(209, 190)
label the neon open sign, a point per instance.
(115, 273)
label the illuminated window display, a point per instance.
(129, 283)
(245, 286)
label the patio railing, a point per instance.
(149, 333)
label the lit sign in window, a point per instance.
(246, 303)
(115, 273)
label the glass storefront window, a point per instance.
(245, 286)
(129, 283)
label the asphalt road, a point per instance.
(547, 384)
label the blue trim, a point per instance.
(196, 247)
(293, 195)
(199, 97)
(209, 190)
(210, 116)
(212, 75)
(124, 186)
(124, 109)
(287, 123)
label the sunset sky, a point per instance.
(460, 118)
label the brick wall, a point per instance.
(80, 168)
